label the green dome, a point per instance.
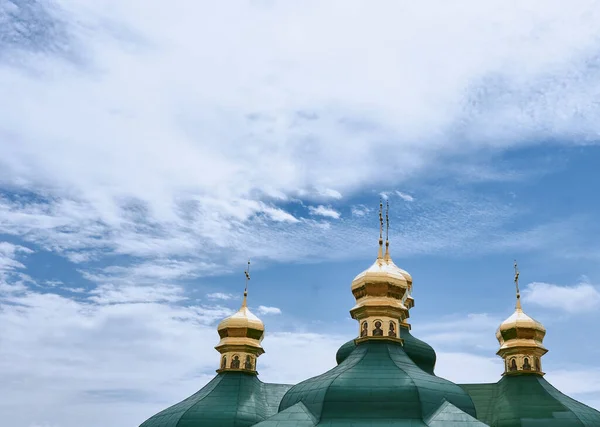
(344, 351)
(230, 399)
(528, 400)
(419, 351)
(377, 381)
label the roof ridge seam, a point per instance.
(351, 365)
(199, 400)
(411, 378)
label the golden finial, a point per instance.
(387, 230)
(247, 273)
(380, 253)
(517, 285)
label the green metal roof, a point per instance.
(419, 351)
(376, 384)
(344, 351)
(230, 399)
(449, 415)
(297, 415)
(528, 401)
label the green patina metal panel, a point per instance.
(418, 351)
(230, 399)
(344, 351)
(297, 415)
(448, 415)
(588, 416)
(377, 383)
(528, 401)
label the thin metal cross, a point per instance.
(247, 273)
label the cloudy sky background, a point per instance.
(148, 149)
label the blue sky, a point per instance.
(149, 149)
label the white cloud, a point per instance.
(188, 161)
(360, 211)
(580, 298)
(74, 290)
(405, 196)
(8, 256)
(576, 381)
(280, 215)
(473, 332)
(220, 295)
(467, 368)
(324, 211)
(12, 279)
(111, 294)
(268, 310)
(174, 178)
(330, 193)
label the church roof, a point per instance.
(449, 415)
(376, 382)
(421, 353)
(230, 399)
(528, 401)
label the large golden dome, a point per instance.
(382, 271)
(382, 294)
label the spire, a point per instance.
(521, 340)
(387, 231)
(380, 291)
(380, 253)
(518, 306)
(247, 273)
(241, 335)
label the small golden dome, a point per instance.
(521, 340)
(243, 318)
(519, 326)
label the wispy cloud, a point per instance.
(580, 298)
(324, 211)
(405, 196)
(111, 294)
(220, 296)
(12, 278)
(191, 162)
(268, 310)
(360, 211)
(194, 186)
(474, 332)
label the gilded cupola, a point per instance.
(521, 340)
(241, 335)
(382, 293)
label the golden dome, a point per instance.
(521, 341)
(384, 272)
(241, 335)
(520, 329)
(243, 318)
(382, 294)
